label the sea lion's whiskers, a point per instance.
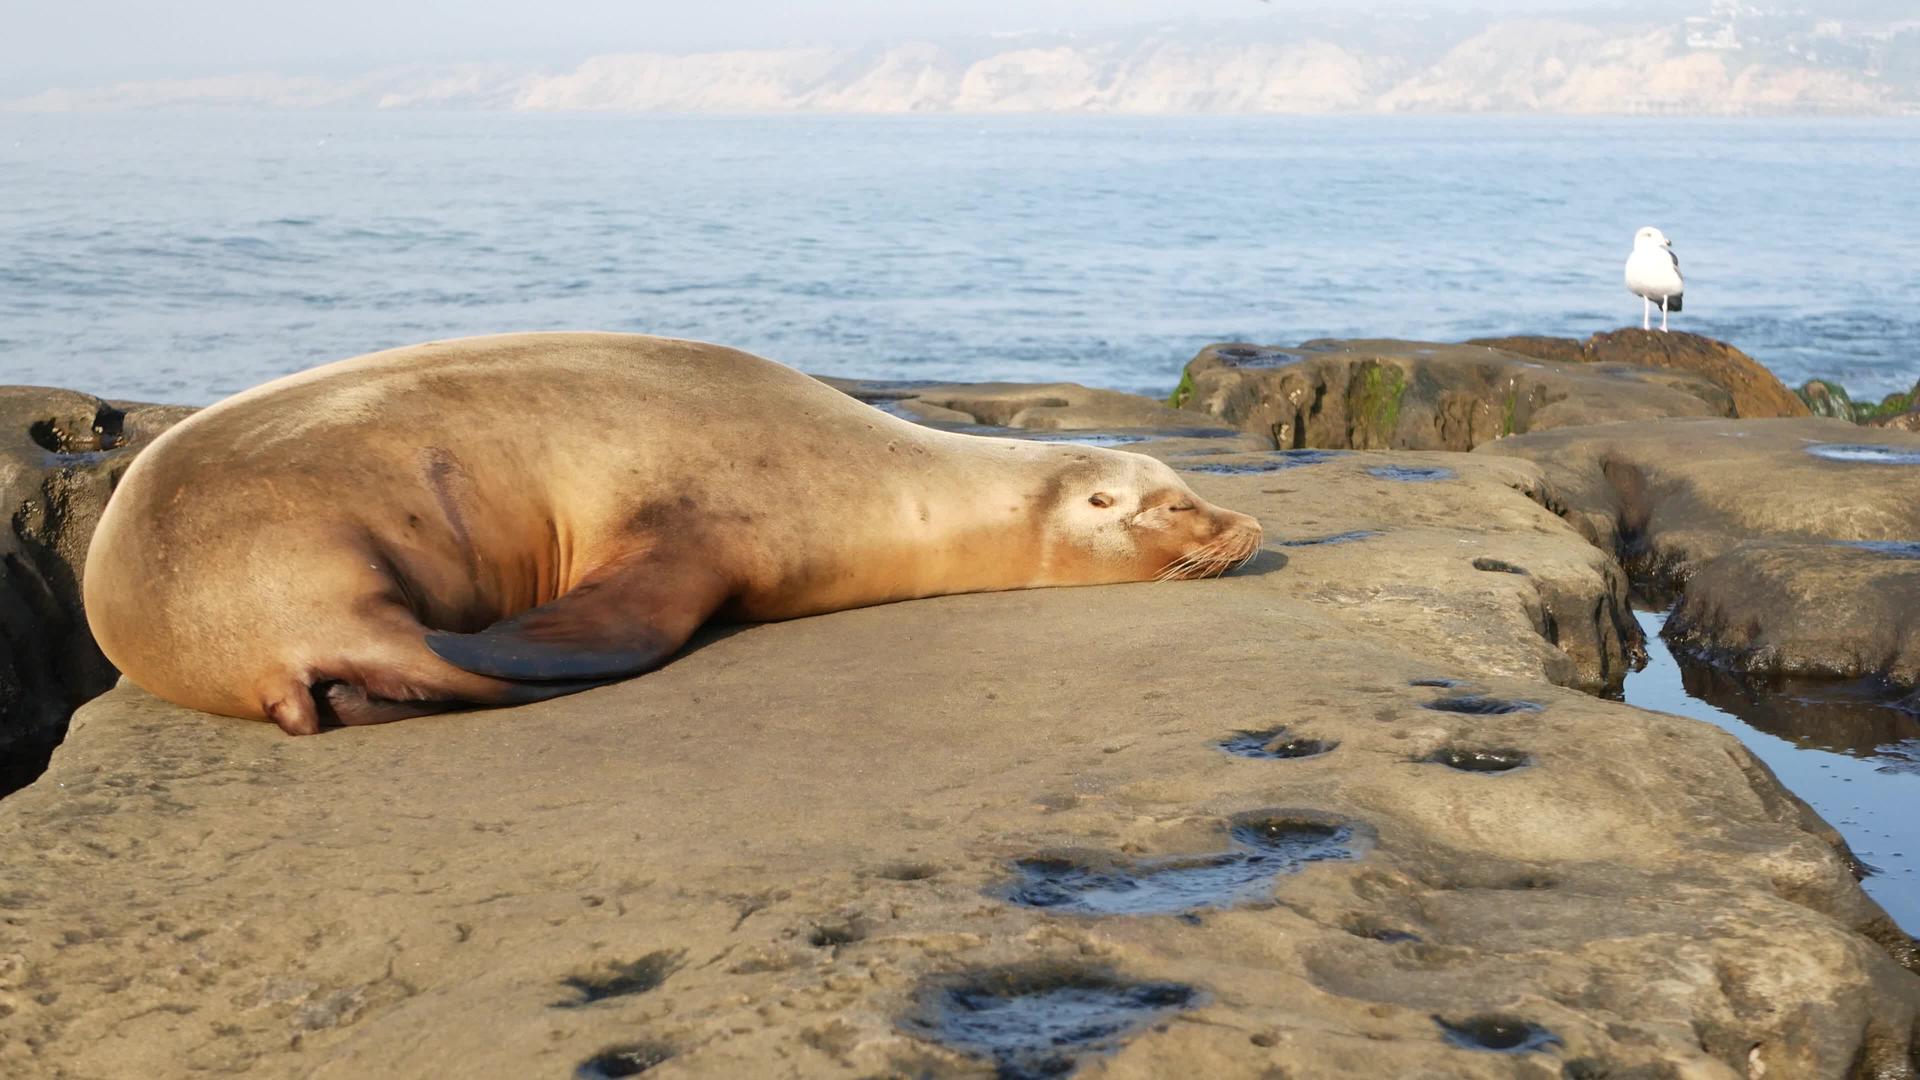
(1192, 561)
(1184, 563)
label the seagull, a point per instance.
(1653, 273)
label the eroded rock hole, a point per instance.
(1265, 846)
(907, 872)
(1481, 761)
(832, 935)
(1274, 743)
(1039, 1021)
(622, 979)
(1387, 934)
(629, 1059)
(1498, 566)
(1499, 1034)
(1476, 705)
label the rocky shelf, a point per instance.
(1357, 810)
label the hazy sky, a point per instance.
(109, 40)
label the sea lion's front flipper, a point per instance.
(623, 619)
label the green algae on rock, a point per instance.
(1423, 396)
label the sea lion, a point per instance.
(498, 520)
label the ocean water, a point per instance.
(182, 257)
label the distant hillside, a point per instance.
(1735, 61)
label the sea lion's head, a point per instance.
(1117, 516)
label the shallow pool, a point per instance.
(1855, 758)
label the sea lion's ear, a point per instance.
(1101, 499)
(623, 619)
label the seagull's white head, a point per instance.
(1651, 237)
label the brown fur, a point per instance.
(557, 510)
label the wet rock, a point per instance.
(1264, 846)
(1800, 575)
(60, 454)
(1416, 395)
(1807, 609)
(1037, 1022)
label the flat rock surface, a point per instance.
(1797, 542)
(1426, 396)
(795, 850)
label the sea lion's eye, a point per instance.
(1181, 508)
(1101, 499)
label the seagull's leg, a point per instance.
(1646, 314)
(1663, 314)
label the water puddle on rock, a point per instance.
(1275, 461)
(1480, 761)
(1275, 744)
(1864, 454)
(1899, 549)
(1237, 468)
(1481, 705)
(1038, 1022)
(618, 1061)
(1265, 846)
(1412, 474)
(1336, 538)
(1498, 1034)
(1851, 755)
(1086, 438)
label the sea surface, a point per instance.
(183, 256)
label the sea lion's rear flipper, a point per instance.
(623, 619)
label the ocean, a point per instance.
(181, 257)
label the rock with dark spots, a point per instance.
(1794, 540)
(759, 858)
(1420, 396)
(60, 454)
(1757, 393)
